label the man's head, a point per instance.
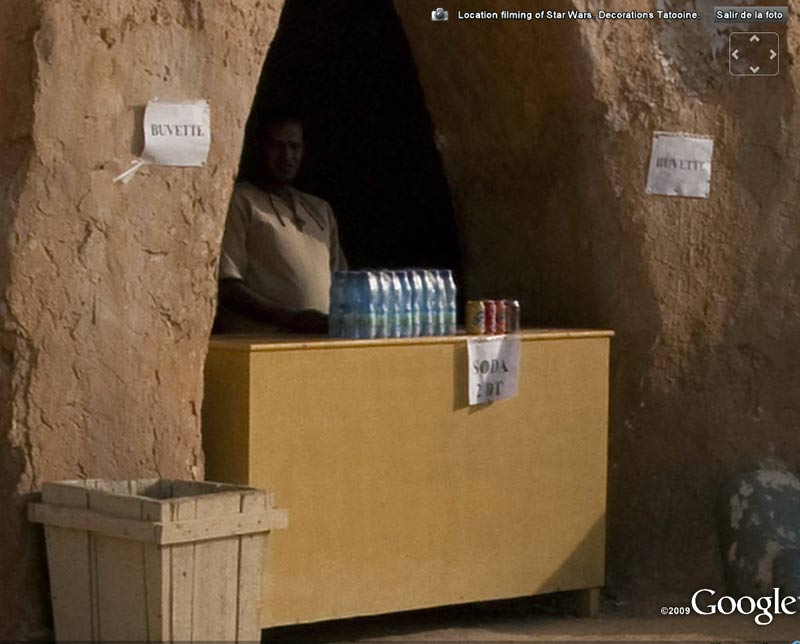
(283, 147)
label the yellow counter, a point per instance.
(401, 496)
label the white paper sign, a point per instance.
(493, 368)
(680, 165)
(177, 133)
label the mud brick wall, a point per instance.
(544, 129)
(108, 289)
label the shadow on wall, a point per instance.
(23, 597)
(528, 151)
(346, 68)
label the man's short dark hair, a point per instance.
(273, 117)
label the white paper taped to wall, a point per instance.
(680, 165)
(493, 368)
(176, 134)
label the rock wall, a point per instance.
(107, 289)
(545, 130)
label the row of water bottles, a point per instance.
(392, 303)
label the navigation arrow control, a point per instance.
(754, 53)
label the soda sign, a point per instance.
(493, 368)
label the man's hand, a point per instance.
(239, 297)
(309, 321)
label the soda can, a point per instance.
(491, 316)
(476, 317)
(512, 316)
(500, 317)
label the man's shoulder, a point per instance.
(315, 202)
(319, 208)
(247, 191)
(248, 198)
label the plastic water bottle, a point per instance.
(439, 301)
(431, 293)
(384, 304)
(415, 325)
(376, 325)
(358, 292)
(360, 298)
(406, 304)
(451, 306)
(348, 307)
(335, 311)
(432, 287)
(367, 304)
(425, 297)
(395, 305)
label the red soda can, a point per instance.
(500, 317)
(512, 316)
(491, 316)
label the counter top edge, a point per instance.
(284, 343)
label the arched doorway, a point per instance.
(346, 67)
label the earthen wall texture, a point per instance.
(107, 289)
(545, 128)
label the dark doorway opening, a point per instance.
(346, 67)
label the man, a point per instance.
(280, 245)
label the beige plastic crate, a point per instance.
(155, 560)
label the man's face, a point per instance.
(284, 151)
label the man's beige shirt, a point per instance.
(286, 259)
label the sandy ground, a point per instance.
(523, 620)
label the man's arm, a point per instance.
(237, 296)
(338, 259)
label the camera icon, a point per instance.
(439, 15)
